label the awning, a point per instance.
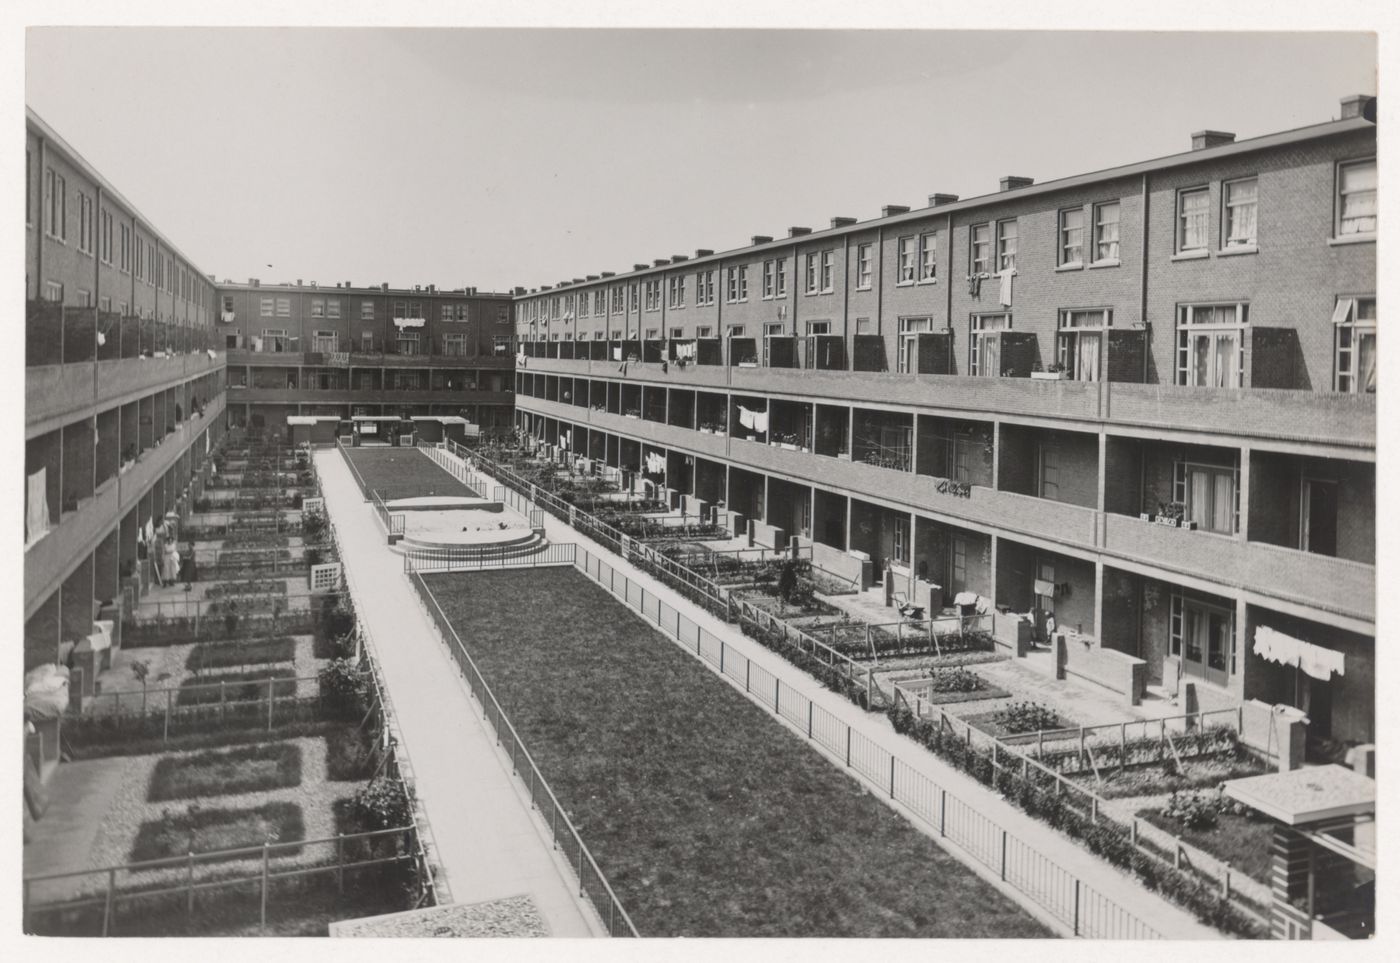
(1316, 661)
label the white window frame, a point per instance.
(1185, 219)
(1008, 239)
(909, 331)
(1181, 492)
(810, 275)
(865, 266)
(268, 307)
(1340, 202)
(1228, 209)
(284, 307)
(1076, 323)
(318, 308)
(780, 290)
(1101, 229)
(827, 267)
(905, 261)
(977, 327)
(1189, 326)
(1351, 327)
(928, 257)
(769, 280)
(1070, 252)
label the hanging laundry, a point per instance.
(760, 422)
(1316, 661)
(1004, 286)
(617, 354)
(745, 417)
(36, 515)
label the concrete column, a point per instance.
(1103, 469)
(1241, 653)
(1098, 597)
(996, 461)
(1244, 492)
(992, 572)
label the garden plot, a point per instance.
(171, 666)
(705, 815)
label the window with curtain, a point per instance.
(1106, 231)
(1072, 236)
(1209, 494)
(1008, 233)
(928, 257)
(905, 261)
(980, 249)
(1081, 339)
(1210, 345)
(1241, 213)
(1193, 220)
(1356, 198)
(1355, 321)
(984, 346)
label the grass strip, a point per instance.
(224, 772)
(209, 830)
(706, 816)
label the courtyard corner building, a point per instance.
(1132, 410)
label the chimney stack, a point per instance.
(938, 200)
(1206, 139)
(891, 209)
(640, 267)
(678, 258)
(703, 252)
(592, 277)
(842, 221)
(609, 274)
(384, 286)
(758, 239)
(660, 262)
(799, 231)
(1012, 183)
(298, 282)
(1359, 105)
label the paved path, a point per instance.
(488, 839)
(80, 794)
(1165, 917)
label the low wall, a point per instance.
(1276, 735)
(1012, 633)
(1114, 670)
(838, 563)
(769, 536)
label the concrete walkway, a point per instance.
(1168, 919)
(488, 839)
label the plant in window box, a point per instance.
(1055, 372)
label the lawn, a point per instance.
(405, 468)
(222, 772)
(224, 655)
(208, 830)
(1243, 842)
(237, 687)
(706, 816)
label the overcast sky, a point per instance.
(504, 157)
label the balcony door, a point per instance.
(1209, 496)
(1318, 528)
(957, 567)
(1204, 637)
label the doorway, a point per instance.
(1318, 526)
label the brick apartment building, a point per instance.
(342, 350)
(124, 389)
(993, 394)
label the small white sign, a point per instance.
(313, 505)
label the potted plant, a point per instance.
(1054, 372)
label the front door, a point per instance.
(957, 567)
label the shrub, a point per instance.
(1021, 717)
(343, 688)
(383, 804)
(349, 754)
(955, 680)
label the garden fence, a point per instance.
(466, 558)
(100, 892)
(269, 701)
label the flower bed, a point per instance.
(224, 772)
(1019, 719)
(205, 830)
(234, 619)
(246, 589)
(225, 655)
(959, 685)
(1039, 796)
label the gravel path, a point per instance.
(515, 916)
